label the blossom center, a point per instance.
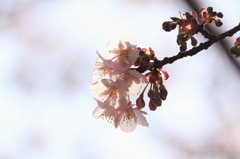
(129, 117)
(107, 116)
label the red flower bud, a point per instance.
(193, 41)
(152, 105)
(158, 100)
(151, 78)
(183, 48)
(219, 14)
(151, 93)
(163, 92)
(237, 41)
(214, 14)
(166, 26)
(194, 14)
(218, 23)
(172, 26)
(235, 52)
(210, 9)
(140, 102)
(164, 74)
(159, 81)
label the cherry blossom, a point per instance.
(121, 56)
(106, 112)
(129, 117)
(101, 70)
(134, 80)
(112, 92)
(126, 118)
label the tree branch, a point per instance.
(195, 5)
(195, 50)
(205, 33)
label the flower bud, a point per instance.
(146, 58)
(175, 19)
(214, 14)
(193, 41)
(194, 14)
(172, 26)
(158, 100)
(141, 53)
(166, 25)
(210, 9)
(163, 92)
(237, 41)
(140, 102)
(219, 14)
(218, 23)
(151, 94)
(188, 15)
(235, 52)
(183, 48)
(151, 78)
(152, 54)
(152, 105)
(159, 80)
(164, 74)
(179, 41)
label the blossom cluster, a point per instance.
(188, 25)
(125, 68)
(119, 74)
(114, 81)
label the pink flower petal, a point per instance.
(141, 120)
(127, 121)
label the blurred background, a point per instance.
(47, 54)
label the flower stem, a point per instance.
(145, 88)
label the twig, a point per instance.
(205, 33)
(195, 5)
(195, 50)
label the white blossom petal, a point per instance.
(122, 54)
(134, 80)
(137, 76)
(129, 118)
(108, 82)
(141, 120)
(97, 88)
(134, 88)
(111, 92)
(101, 69)
(104, 114)
(127, 121)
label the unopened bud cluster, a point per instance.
(188, 25)
(157, 91)
(145, 60)
(208, 16)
